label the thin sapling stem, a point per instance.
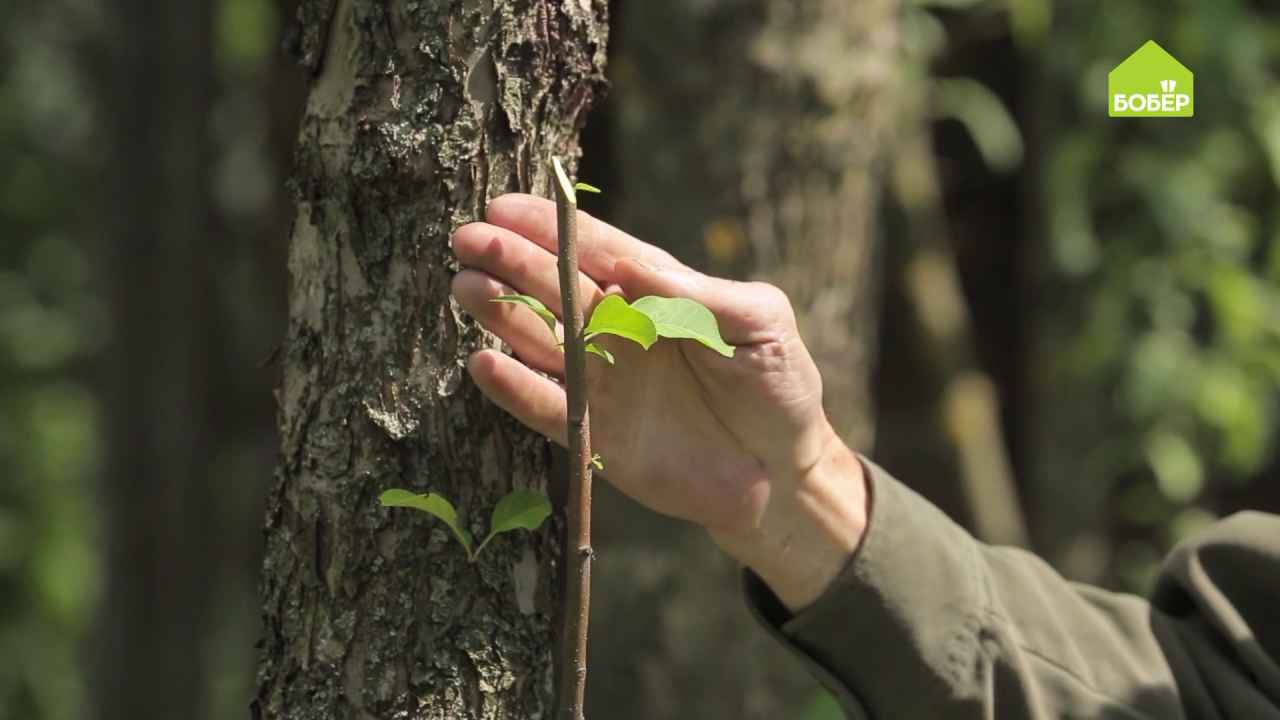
(571, 692)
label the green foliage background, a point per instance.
(48, 416)
(1159, 362)
(1153, 357)
(54, 326)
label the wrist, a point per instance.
(812, 523)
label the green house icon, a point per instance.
(1151, 83)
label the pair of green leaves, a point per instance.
(520, 510)
(642, 322)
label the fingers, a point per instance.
(524, 331)
(599, 243)
(746, 312)
(514, 260)
(537, 402)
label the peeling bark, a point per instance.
(419, 112)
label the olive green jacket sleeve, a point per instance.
(927, 622)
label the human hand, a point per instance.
(738, 445)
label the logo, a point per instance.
(1151, 83)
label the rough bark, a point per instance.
(418, 114)
(750, 141)
(153, 73)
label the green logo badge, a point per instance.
(1151, 83)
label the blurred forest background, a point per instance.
(1078, 321)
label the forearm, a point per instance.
(925, 621)
(811, 526)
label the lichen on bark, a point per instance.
(419, 112)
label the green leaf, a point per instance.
(585, 187)
(614, 317)
(597, 462)
(684, 319)
(533, 304)
(520, 510)
(432, 504)
(595, 349)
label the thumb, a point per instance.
(747, 312)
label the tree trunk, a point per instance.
(154, 75)
(750, 139)
(418, 114)
(953, 443)
(250, 266)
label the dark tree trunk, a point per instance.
(940, 418)
(155, 83)
(418, 114)
(252, 281)
(750, 137)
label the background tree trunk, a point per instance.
(418, 114)
(259, 105)
(940, 415)
(749, 136)
(155, 77)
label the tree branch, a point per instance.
(577, 599)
